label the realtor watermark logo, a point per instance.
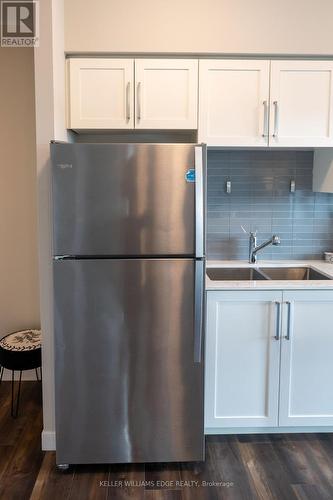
(19, 23)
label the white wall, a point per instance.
(50, 124)
(208, 26)
(19, 300)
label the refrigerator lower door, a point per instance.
(129, 383)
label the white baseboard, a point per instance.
(266, 430)
(48, 441)
(26, 375)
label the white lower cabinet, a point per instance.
(306, 380)
(269, 359)
(242, 359)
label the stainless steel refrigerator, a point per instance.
(129, 271)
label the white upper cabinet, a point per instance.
(301, 103)
(306, 389)
(242, 103)
(242, 359)
(166, 93)
(234, 102)
(104, 94)
(100, 93)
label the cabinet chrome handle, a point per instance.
(265, 129)
(276, 118)
(290, 319)
(128, 106)
(277, 320)
(138, 96)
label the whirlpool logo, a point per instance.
(19, 23)
(63, 166)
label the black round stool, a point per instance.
(20, 351)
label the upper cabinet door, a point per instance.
(166, 93)
(100, 93)
(234, 102)
(301, 103)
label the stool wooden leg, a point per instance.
(1, 373)
(18, 395)
(37, 376)
(12, 405)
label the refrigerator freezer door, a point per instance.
(128, 386)
(124, 199)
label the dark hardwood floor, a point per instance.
(298, 466)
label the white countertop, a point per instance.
(318, 265)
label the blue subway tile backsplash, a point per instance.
(261, 200)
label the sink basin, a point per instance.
(264, 273)
(293, 273)
(234, 274)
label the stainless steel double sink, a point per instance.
(264, 273)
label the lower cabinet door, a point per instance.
(306, 385)
(242, 358)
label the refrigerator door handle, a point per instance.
(198, 309)
(200, 152)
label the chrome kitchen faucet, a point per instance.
(254, 248)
